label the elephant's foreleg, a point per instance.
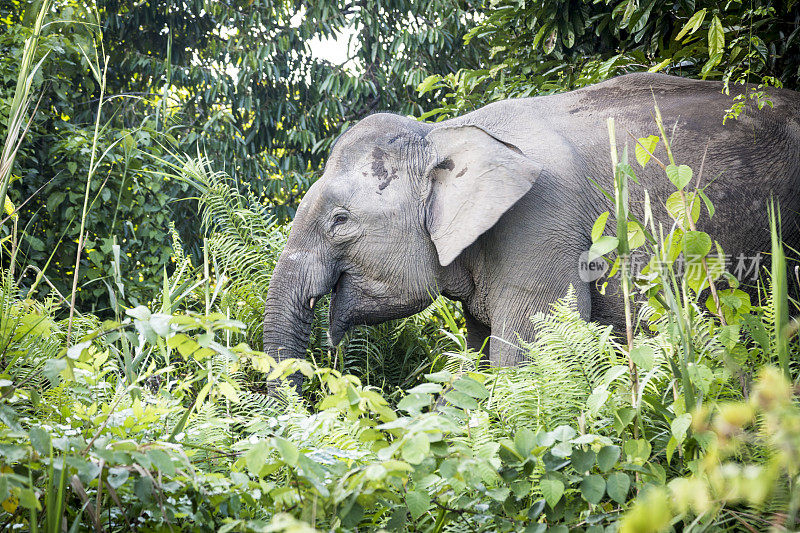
(512, 325)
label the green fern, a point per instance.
(567, 360)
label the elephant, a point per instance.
(494, 208)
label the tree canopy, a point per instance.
(556, 45)
(236, 80)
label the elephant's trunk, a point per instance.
(289, 313)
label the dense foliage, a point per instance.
(552, 45)
(235, 80)
(132, 392)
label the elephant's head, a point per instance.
(398, 202)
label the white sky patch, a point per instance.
(337, 50)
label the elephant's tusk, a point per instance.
(311, 302)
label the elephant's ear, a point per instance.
(474, 179)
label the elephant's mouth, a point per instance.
(337, 319)
(338, 285)
(312, 302)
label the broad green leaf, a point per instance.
(593, 488)
(552, 490)
(89, 470)
(624, 169)
(287, 451)
(636, 236)
(583, 461)
(629, 9)
(53, 369)
(660, 66)
(540, 34)
(677, 209)
(117, 476)
(568, 38)
(672, 445)
(415, 449)
(521, 488)
(470, 387)
(602, 246)
(428, 83)
(143, 489)
(140, 313)
(40, 440)
(550, 42)
(617, 486)
(524, 441)
(461, 400)
(417, 502)
(643, 357)
(692, 24)
(442, 376)
(586, 438)
(353, 398)
(623, 417)
(77, 350)
(564, 433)
(597, 399)
(508, 451)
(695, 245)
(716, 37)
(426, 388)
(638, 451)
(712, 62)
(701, 376)
(679, 175)
(599, 226)
(644, 148)
(185, 345)
(499, 494)
(562, 449)
(733, 302)
(607, 457)
(729, 335)
(553, 463)
(201, 396)
(228, 391)
(536, 509)
(414, 401)
(351, 514)
(163, 462)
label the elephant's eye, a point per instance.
(339, 220)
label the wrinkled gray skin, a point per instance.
(494, 208)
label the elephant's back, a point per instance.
(574, 125)
(631, 98)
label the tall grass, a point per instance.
(100, 67)
(780, 295)
(17, 128)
